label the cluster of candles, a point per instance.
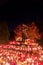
(21, 53)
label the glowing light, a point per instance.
(7, 64)
(21, 55)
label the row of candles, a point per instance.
(9, 57)
(28, 48)
(13, 54)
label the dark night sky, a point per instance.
(22, 13)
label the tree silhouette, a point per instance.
(4, 33)
(27, 31)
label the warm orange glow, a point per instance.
(24, 50)
(27, 31)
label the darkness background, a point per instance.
(15, 13)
